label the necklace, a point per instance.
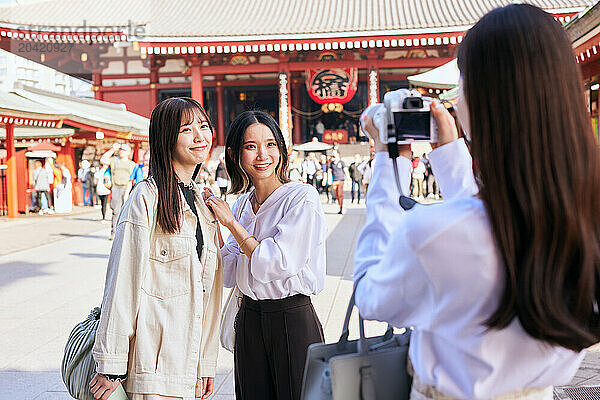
(258, 203)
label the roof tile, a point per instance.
(256, 18)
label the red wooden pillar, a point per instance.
(97, 82)
(136, 152)
(197, 88)
(220, 91)
(11, 173)
(297, 120)
(153, 83)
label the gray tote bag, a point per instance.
(365, 369)
(78, 367)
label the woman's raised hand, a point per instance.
(368, 125)
(447, 131)
(219, 207)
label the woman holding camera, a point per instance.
(275, 255)
(501, 280)
(159, 326)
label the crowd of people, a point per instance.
(423, 183)
(328, 173)
(325, 171)
(51, 187)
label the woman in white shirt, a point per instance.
(101, 190)
(501, 280)
(276, 256)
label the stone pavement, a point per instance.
(52, 273)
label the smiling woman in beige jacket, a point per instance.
(159, 326)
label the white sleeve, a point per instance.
(230, 253)
(281, 256)
(452, 166)
(397, 289)
(383, 210)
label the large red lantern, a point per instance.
(335, 85)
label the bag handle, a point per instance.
(363, 347)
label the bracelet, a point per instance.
(244, 241)
(115, 378)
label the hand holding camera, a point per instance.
(406, 117)
(369, 127)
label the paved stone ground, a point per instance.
(52, 273)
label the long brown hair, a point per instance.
(240, 181)
(539, 172)
(165, 122)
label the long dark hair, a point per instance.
(240, 181)
(539, 171)
(165, 122)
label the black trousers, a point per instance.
(271, 340)
(103, 202)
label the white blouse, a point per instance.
(291, 230)
(437, 268)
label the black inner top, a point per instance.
(188, 193)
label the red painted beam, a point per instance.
(135, 88)
(187, 85)
(302, 66)
(92, 128)
(392, 77)
(141, 75)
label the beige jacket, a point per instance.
(161, 307)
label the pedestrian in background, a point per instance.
(295, 169)
(500, 282)
(102, 190)
(41, 185)
(431, 187)
(55, 178)
(64, 191)
(418, 178)
(357, 177)
(163, 290)
(222, 178)
(120, 170)
(338, 175)
(309, 167)
(84, 176)
(141, 170)
(275, 271)
(367, 170)
(325, 185)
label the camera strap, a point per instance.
(405, 202)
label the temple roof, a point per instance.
(231, 20)
(27, 102)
